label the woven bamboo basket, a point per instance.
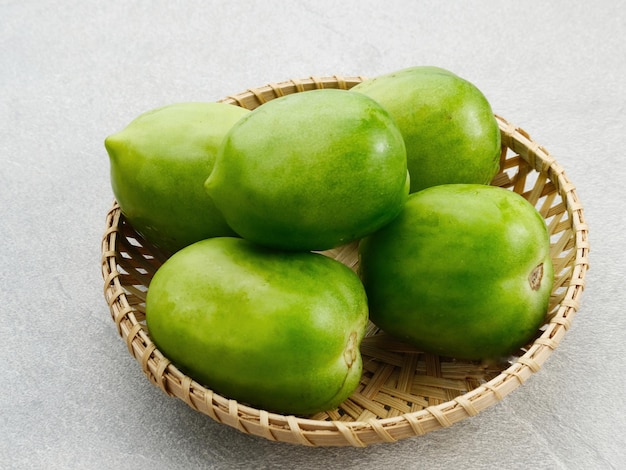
(403, 392)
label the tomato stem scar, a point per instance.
(534, 279)
(349, 354)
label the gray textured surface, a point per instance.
(72, 72)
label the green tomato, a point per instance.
(159, 163)
(464, 271)
(311, 171)
(276, 330)
(448, 125)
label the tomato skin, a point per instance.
(450, 132)
(452, 274)
(159, 163)
(277, 330)
(311, 171)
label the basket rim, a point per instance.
(288, 428)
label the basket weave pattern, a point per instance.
(403, 392)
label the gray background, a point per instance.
(73, 72)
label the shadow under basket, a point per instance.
(403, 392)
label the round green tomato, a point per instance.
(450, 132)
(159, 163)
(464, 271)
(277, 330)
(311, 171)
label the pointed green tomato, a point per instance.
(450, 132)
(464, 271)
(159, 163)
(311, 171)
(276, 330)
